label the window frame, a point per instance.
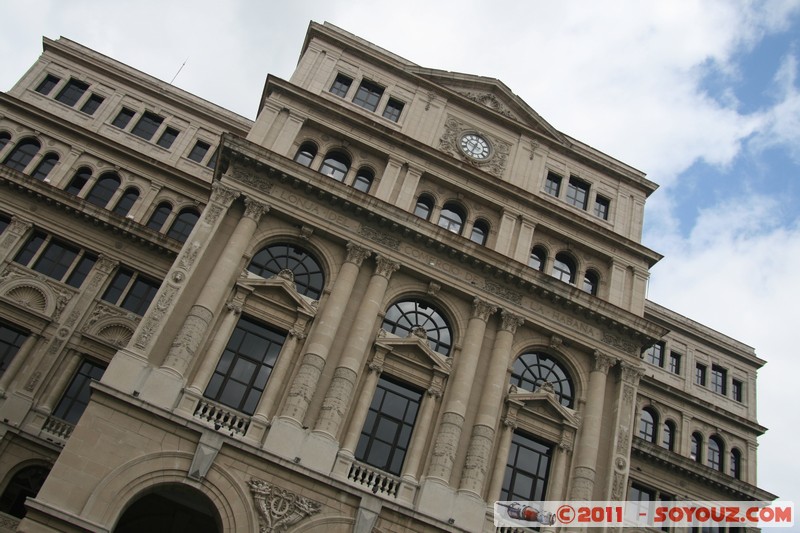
(75, 398)
(578, 193)
(307, 270)
(339, 87)
(126, 290)
(539, 482)
(74, 272)
(552, 184)
(371, 96)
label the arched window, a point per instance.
(424, 207)
(696, 446)
(159, 216)
(419, 318)
(648, 422)
(715, 451)
(668, 435)
(306, 271)
(183, 224)
(590, 282)
(25, 483)
(532, 369)
(564, 268)
(79, 180)
(45, 166)
(335, 166)
(736, 463)
(306, 153)
(452, 217)
(480, 232)
(363, 180)
(538, 258)
(4, 138)
(21, 155)
(103, 190)
(173, 508)
(125, 203)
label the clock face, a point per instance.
(475, 146)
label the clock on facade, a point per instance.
(475, 146)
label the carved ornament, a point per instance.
(279, 509)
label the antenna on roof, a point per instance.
(179, 71)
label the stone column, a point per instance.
(446, 446)
(16, 363)
(507, 428)
(586, 456)
(421, 428)
(56, 388)
(482, 439)
(361, 409)
(626, 424)
(325, 329)
(559, 470)
(215, 348)
(345, 377)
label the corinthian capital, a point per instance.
(254, 209)
(356, 254)
(510, 321)
(602, 362)
(482, 309)
(222, 194)
(631, 373)
(385, 267)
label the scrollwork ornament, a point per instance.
(631, 373)
(222, 194)
(278, 508)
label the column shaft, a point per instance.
(18, 361)
(215, 348)
(499, 471)
(421, 428)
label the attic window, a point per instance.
(368, 95)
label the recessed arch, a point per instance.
(306, 269)
(648, 424)
(538, 258)
(424, 206)
(105, 187)
(25, 482)
(416, 316)
(306, 153)
(533, 368)
(564, 267)
(480, 232)
(452, 217)
(335, 165)
(170, 508)
(22, 154)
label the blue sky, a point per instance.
(704, 96)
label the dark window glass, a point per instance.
(305, 268)
(647, 425)
(159, 216)
(91, 104)
(700, 374)
(538, 258)
(30, 249)
(168, 137)
(341, 85)
(480, 232)
(305, 155)
(737, 388)
(736, 464)
(368, 95)
(56, 259)
(655, 354)
(4, 138)
(393, 109)
(719, 380)
(11, 340)
(452, 218)
(363, 180)
(212, 160)
(103, 189)
(4, 222)
(601, 206)
(44, 167)
(668, 435)
(424, 207)
(21, 154)
(641, 501)
(183, 224)
(590, 282)
(532, 370)
(132, 291)
(123, 118)
(78, 181)
(715, 453)
(199, 151)
(552, 184)
(147, 125)
(578, 193)
(81, 270)
(47, 84)
(336, 165)
(675, 362)
(387, 431)
(527, 469)
(72, 92)
(245, 366)
(118, 285)
(564, 268)
(696, 445)
(25, 484)
(125, 203)
(414, 317)
(76, 397)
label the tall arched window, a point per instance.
(159, 216)
(183, 224)
(335, 165)
(736, 463)
(424, 206)
(648, 422)
(715, 451)
(538, 258)
(127, 200)
(363, 180)
(25, 483)
(422, 319)
(590, 282)
(480, 232)
(564, 268)
(452, 217)
(305, 268)
(103, 190)
(668, 435)
(696, 446)
(532, 369)
(79, 180)
(306, 153)
(4, 138)
(22, 154)
(45, 166)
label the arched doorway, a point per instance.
(170, 509)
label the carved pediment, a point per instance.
(415, 350)
(544, 402)
(280, 291)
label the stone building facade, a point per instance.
(395, 297)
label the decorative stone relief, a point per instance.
(254, 209)
(156, 316)
(379, 236)
(502, 292)
(212, 214)
(385, 267)
(223, 194)
(489, 100)
(603, 362)
(189, 256)
(257, 182)
(337, 399)
(477, 460)
(482, 309)
(510, 322)
(356, 254)
(616, 342)
(631, 373)
(278, 509)
(498, 159)
(433, 288)
(444, 451)
(28, 296)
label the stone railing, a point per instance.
(377, 481)
(221, 418)
(57, 430)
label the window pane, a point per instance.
(47, 84)
(159, 216)
(147, 125)
(199, 151)
(140, 295)
(78, 181)
(532, 369)
(168, 137)
(123, 118)
(92, 104)
(21, 155)
(552, 185)
(183, 224)
(527, 469)
(126, 202)
(393, 110)
(341, 85)
(308, 276)
(45, 166)
(76, 397)
(25, 255)
(56, 259)
(368, 95)
(411, 316)
(601, 207)
(103, 190)
(80, 272)
(11, 340)
(72, 92)
(577, 193)
(117, 286)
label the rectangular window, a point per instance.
(527, 469)
(368, 95)
(47, 84)
(11, 340)
(552, 184)
(387, 430)
(199, 151)
(655, 355)
(601, 206)
(72, 92)
(91, 105)
(168, 137)
(675, 362)
(76, 397)
(245, 366)
(123, 118)
(147, 125)
(56, 259)
(719, 380)
(393, 109)
(132, 291)
(737, 390)
(341, 85)
(700, 374)
(578, 193)
(641, 501)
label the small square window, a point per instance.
(47, 84)
(368, 95)
(601, 206)
(199, 151)
(552, 184)
(700, 374)
(167, 138)
(123, 118)
(578, 193)
(341, 85)
(393, 110)
(72, 92)
(91, 105)
(147, 125)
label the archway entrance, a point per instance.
(170, 509)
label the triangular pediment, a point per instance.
(543, 402)
(279, 291)
(414, 350)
